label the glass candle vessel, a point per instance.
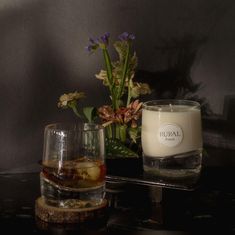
(73, 166)
(172, 138)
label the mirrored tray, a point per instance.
(130, 170)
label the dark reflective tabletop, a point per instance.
(134, 208)
(130, 171)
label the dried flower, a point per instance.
(66, 99)
(123, 115)
(139, 88)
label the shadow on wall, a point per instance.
(42, 57)
(175, 81)
(32, 78)
(219, 130)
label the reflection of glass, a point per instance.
(73, 173)
(172, 138)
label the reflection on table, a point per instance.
(210, 207)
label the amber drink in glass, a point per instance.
(73, 166)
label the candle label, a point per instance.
(170, 135)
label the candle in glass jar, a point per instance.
(171, 129)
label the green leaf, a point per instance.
(90, 113)
(116, 149)
(73, 105)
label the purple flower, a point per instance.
(91, 40)
(105, 38)
(132, 37)
(89, 48)
(123, 36)
(126, 36)
(101, 42)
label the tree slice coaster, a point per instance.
(63, 215)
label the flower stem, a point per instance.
(124, 72)
(108, 65)
(109, 131)
(117, 131)
(128, 94)
(122, 132)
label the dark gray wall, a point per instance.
(42, 56)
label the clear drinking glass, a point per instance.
(73, 166)
(172, 138)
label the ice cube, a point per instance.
(93, 173)
(88, 170)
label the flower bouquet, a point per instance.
(121, 116)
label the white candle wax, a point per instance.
(171, 130)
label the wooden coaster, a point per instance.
(62, 215)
